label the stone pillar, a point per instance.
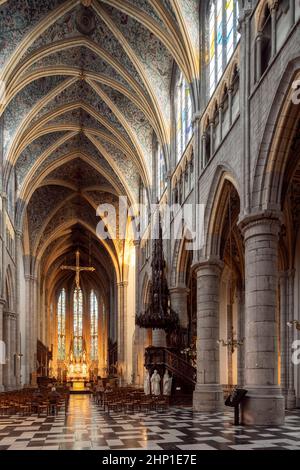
(9, 333)
(258, 56)
(229, 336)
(204, 156)
(13, 351)
(273, 9)
(178, 296)
(208, 394)
(30, 328)
(220, 123)
(291, 394)
(2, 303)
(18, 255)
(292, 12)
(122, 330)
(264, 404)
(240, 299)
(283, 289)
(230, 106)
(212, 140)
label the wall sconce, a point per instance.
(294, 322)
(232, 342)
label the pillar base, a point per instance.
(263, 406)
(291, 401)
(208, 397)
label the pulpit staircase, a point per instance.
(183, 373)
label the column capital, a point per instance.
(30, 277)
(9, 315)
(179, 290)
(19, 234)
(271, 219)
(214, 264)
(283, 274)
(196, 117)
(2, 301)
(122, 284)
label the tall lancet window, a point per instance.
(94, 325)
(161, 172)
(77, 315)
(183, 116)
(222, 38)
(61, 325)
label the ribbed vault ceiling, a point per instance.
(87, 85)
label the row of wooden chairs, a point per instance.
(29, 401)
(131, 400)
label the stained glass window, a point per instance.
(212, 49)
(223, 37)
(94, 325)
(61, 325)
(161, 172)
(77, 318)
(183, 116)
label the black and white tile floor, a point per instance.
(87, 427)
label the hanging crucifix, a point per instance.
(78, 269)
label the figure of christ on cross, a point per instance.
(78, 269)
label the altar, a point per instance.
(77, 371)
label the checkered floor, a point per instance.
(87, 427)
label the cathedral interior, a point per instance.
(151, 105)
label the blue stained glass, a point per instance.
(77, 322)
(183, 116)
(61, 325)
(221, 35)
(94, 325)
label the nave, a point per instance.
(87, 427)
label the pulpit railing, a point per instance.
(164, 357)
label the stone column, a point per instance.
(204, 156)
(229, 335)
(13, 351)
(178, 296)
(30, 329)
(258, 56)
(220, 123)
(135, 348)
(283, 289)
(18, 255)
(264, 404)
(122, 329)
(292, 12)
(212, 140)
(291, 394)
(2, 303)
(9, 333)
(230, 106)
(208, 394)
(240, 298)
(273, 9)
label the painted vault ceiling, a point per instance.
(87, 86)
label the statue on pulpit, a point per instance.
(147, 388)
(167, 383)
(155, 383)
